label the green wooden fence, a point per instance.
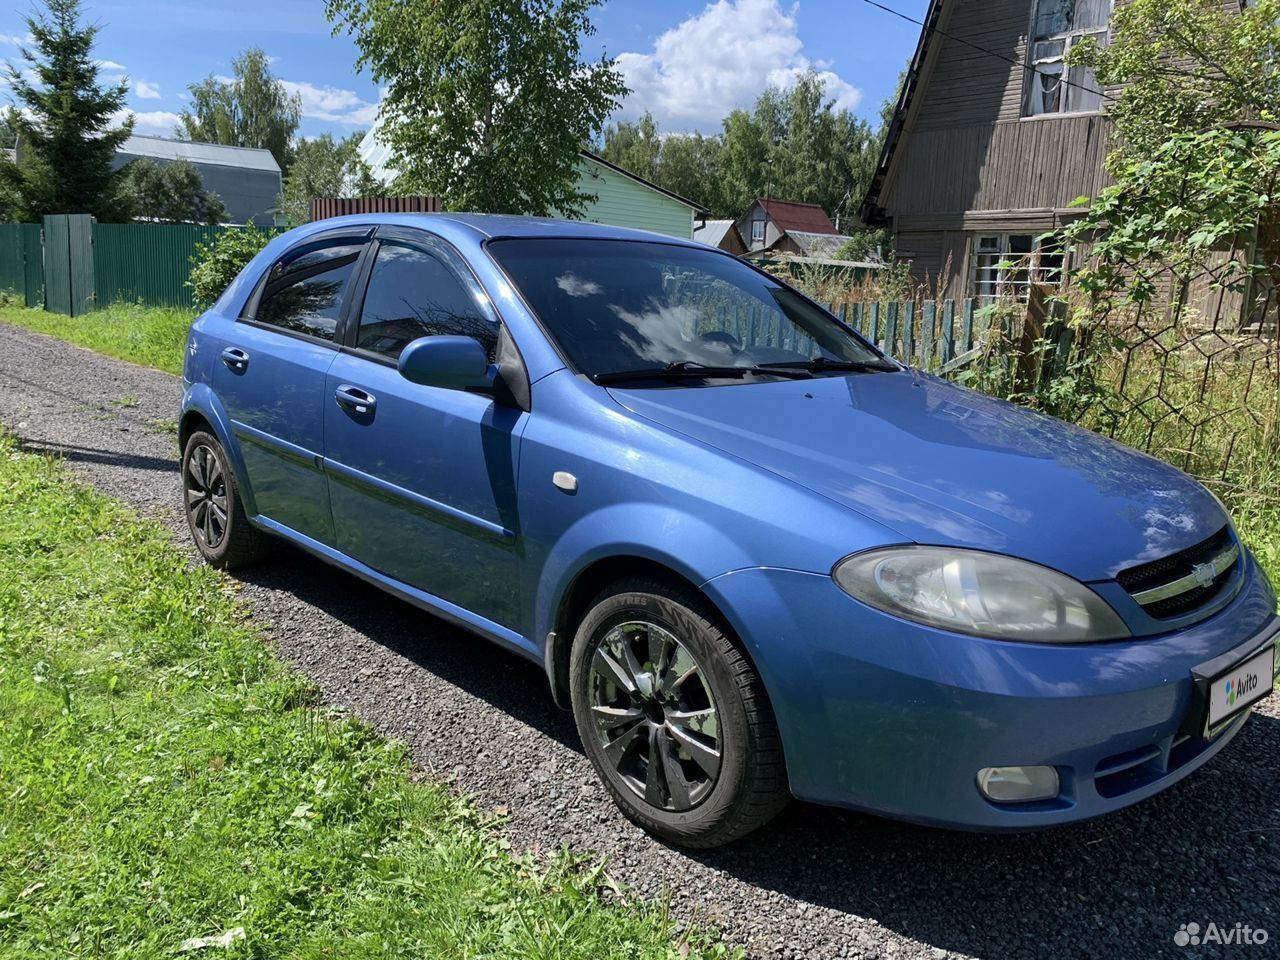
(22, 262)
(69, 264)
(147, 262)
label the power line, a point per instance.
(1061, 78)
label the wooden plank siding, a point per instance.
(969, 162)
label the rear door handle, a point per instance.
(236, 359)
(355, 399)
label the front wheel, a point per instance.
(673, 716)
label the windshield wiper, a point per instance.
(818, 364)
(693, 370)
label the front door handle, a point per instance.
(355, 399)
(236, 359)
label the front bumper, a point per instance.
(891, 717)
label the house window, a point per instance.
(1052, 86)
(757, 231)
(1005, 265)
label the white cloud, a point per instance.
(332, 104)
(111, 65)
(718, 60)
(146, 91)
(149, 123)
(14, 40)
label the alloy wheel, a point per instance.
(206, 492)
(655, 715)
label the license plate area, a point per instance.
(1229, 692)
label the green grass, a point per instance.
(152, 336)
(165, 778)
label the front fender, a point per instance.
(648, 531)
(199, 399)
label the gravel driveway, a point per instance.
(818, 882)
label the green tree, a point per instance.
(325, 167)
(488, 101)
(169, 193)
(684, 163)
(67, 133)
(219, 261)
(1200, 209)
(252, 109)
(795, 145)
(9, 129)
(634, 146)
(689, 165)
(1182, 66)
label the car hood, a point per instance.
(940, 464)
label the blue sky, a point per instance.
(687, 62)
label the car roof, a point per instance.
(484, 226)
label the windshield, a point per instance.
(617, 307)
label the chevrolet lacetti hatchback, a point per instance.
(754, 555)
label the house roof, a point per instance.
(820, 246)
(869, 211)
(162, 148)
(791, 216)
(712, 232)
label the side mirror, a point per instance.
(451, 362)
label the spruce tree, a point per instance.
(66, 141)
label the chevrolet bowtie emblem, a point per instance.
(1204, 573)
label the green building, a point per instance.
(625, 200)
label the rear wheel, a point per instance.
(674, 717)
(215, 514)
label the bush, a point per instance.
(218, 262)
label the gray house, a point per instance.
(768, 226)
(246, 179)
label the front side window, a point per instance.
(303, 292)
(1007, 265)
(621, 306)
(413, 293)
(1052, 86)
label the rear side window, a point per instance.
(413, 293)
(304, 291)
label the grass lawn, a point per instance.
(151, 336)
(168, 784)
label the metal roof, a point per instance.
(791, 216)
(163, 148)
(817, 245)
(712, 232)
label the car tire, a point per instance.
(214, 511)
(660, 704)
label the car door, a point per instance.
(422, 479)
(271, 379)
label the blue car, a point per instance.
(756, 557)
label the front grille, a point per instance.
(1153, 577)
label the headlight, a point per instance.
(979, 593)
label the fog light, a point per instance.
(1018, 784)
